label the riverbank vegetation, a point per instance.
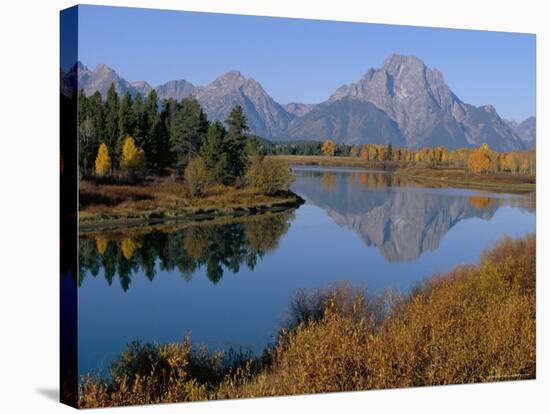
(473, 324)
(480, 160)
(477, 167)
(139, 162)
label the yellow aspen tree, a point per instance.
(480, 159)
(133, 158)
(102, 161)
(329, 147)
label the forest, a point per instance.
(123, 139)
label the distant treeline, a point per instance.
(479, 160)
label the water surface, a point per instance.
(229, 284)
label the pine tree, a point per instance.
(389, 153)
(111, 121)
(235, 143)
(213, 153)
(87, 138)
(138, 110)
(150, 122)
(126, 119)
(188, 130)
(159, 155)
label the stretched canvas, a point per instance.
(256, 206)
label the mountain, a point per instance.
(427, 112)
(141, 87)
(347, 120)
(100, 79)
(404, 103)
(68, 81)
(298, 109)
(526, 130)
(266, 117)
(176, 89)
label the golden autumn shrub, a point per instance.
(472, 324)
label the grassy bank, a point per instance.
(440, 175)
(472, 324)
(325, 161)
(458, 177)
(110, 205)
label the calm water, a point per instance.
(229, 285)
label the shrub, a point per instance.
(196, 176)
(473, 324)
(268, 175)
(146, 374)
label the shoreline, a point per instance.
(90, 222)
(527, 188)
(448, 176)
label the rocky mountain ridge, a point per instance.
(404, 103)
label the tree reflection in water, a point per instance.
(216, 247)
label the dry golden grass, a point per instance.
(473, 324)
(340, 161)
(166, 197)
(460, 176)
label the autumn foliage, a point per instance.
(133, 158)
(480, 160)
(102, 161)
(473, 324)
(329, 147)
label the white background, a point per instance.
(29, 194)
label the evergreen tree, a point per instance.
(149, 123)
(188, 130)
(235, 143)
(139, 119)
(213, 152)
(162, 158)
(160, 155)
(111, 122)
(96, 112)
(126, 119)
(87, 136)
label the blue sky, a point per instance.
(299, 60)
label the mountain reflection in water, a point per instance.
(400, 217)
